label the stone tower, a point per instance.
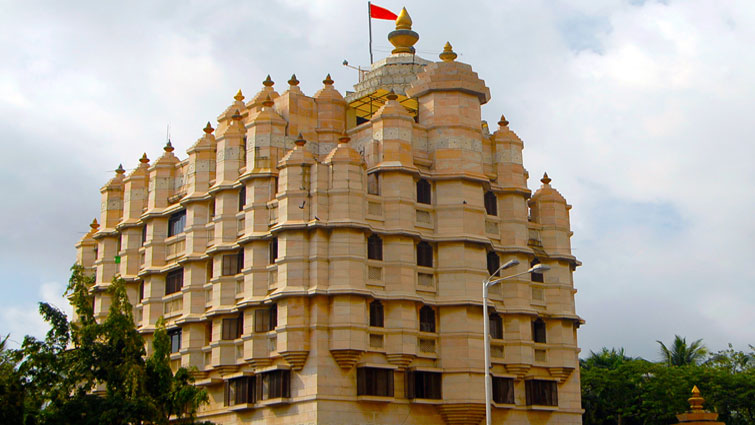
(319, 259)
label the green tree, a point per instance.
(12, 393)
(681, 354)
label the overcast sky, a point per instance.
(641, 112)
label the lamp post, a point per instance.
(487, 283)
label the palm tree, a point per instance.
(681, 354)
(606, 359)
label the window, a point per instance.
(538, 330)
(141, 290)
(210, 267)
(421, 384)
(273, 250)
(175, 340)
(208, 332)
(374, 248)
(494, 262)
(242, 198)
(233, 263)
(375, 381)
(426, 319)
(373, 184)
(496, 326)
(274, 384)
(424, 254)
(233, 327)
(211, 212)
(423, 192)
(174, 281)
(176, 223)
(144, 234)
(266, 319)
(491, 203)
(240, 391)
(376, 314)
(503, 390)
(541, 393)
(536, 277)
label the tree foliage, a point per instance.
(93, 371)
(682, 354)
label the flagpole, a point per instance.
(369, 21)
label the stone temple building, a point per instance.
(318, 259)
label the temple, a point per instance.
(319, 259)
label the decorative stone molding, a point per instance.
(518, 369)
(296, 358)
(462, 413)
(346, 359)
(562, 373)
(401, 360)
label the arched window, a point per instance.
(374, 248)
(538, 330)
(494, 262)
(535, 277)
(491, 203)
(424, 254)
(423, 192)
(426, 319)
(273, 250)
(496, 326)
(376, 314)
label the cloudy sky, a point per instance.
(641, 112)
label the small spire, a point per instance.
(696, 401)
(208, 128)
(236, 115)
(344, 138)
(268, 81)
(94, 225)
(503, 122)
(300, 140)
(546, 179)
(168, 147)
(293, 81)
(403, 21)
(448, 54)
(403, 38)
(239, 96)
(268, 102)
(120, 169)
(328, 81)
(144, 159)
(391, 95)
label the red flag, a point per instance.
(378, 12)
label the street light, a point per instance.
(487, 283)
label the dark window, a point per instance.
(503, 390)
(176, 223)
(375, 381)
(174, 281)
(536, 277)
(274, 384)
(208, 332)
(496, 326)
(240, 391)
(538, 330)
(233, 327)
(376, 314)
(233, 263)
(423, 385)
(175, 340)
(266, 319)
(144, 234)
(141, 290)
(273, 250)
(374, 248)
(212, 209)
(242, 198)
(541, 393)
(494, 262)
(426, 319)
(373, 184)
(491, 203)
(424, 254)
(423, 192)
(210, 266)
(275, 185)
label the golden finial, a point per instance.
(208, 128)
(696, 401)
(239, 96)
(403, 21)
(403, 38)
(344, 138)
(236, 115)
(328, 81)
(293, 81)
(448, 54)
(546, 179)
(120, 169)
(94, 226)
(144, 159)
(392, 95)
(268, 81)
(300, 140)
(168, 147)
(503, 122)
(268, 102)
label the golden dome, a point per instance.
(448, 54)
